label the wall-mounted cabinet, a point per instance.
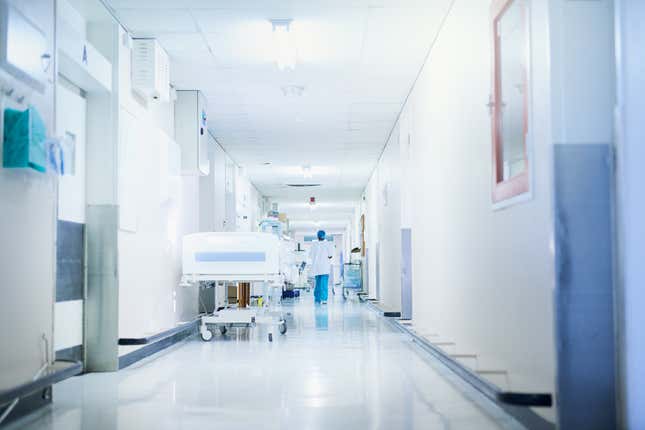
(191, 132)
(24, 48)
(150, 69)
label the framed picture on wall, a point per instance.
(509, 101)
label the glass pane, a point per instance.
(68, 145)
(512, 59)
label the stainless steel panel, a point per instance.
(102, 303)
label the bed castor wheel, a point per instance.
(283, 327)
(206, 335)
(223, 329)
(270, 337)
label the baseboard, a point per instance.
(74, 353)
(35, 394)
(374, 305)
(29, 404)
(517, 405)
(158, 344)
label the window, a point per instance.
(510, 99)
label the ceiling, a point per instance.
(357, 60)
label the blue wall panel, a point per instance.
(70, 261)
(584, 286)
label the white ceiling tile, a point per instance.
(152, 22)
(357, 60)
(183, 44)
(147, 4)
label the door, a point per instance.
(406, 273)
(71, 107)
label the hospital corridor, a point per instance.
(322, 214)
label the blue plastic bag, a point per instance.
(24, 140)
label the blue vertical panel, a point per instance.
(584, 287)
(406, 273)
(70, 261)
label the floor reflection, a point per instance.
(339, 366)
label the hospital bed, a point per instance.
(225, 258)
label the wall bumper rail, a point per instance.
(129, 341)
(150, 345)
(518, 405)
(374, 304)
(543, 400)
(56, 372)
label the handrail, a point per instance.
(515, 403)
(56, 372)
(487, 388)
(128, 341)
(526, 399)
(386, 313)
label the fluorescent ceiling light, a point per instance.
(285, 50)
(309, 169)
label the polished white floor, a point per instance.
(340, 366)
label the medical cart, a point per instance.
(352, 278)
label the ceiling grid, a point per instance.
(356, 62)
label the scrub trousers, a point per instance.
(321, 289)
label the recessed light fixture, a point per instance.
(283, 44)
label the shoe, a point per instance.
(324, 302)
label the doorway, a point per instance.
(71, 105)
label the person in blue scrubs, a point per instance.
(320, 254)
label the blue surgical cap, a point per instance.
(321, 235)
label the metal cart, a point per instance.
(352, 279)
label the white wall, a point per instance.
(162, 206)
(630, 34)
(384, 203)
(28, 203)
(371, 234)
(212, 190)
(482, 278)
(159, 207)
(249, 208)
